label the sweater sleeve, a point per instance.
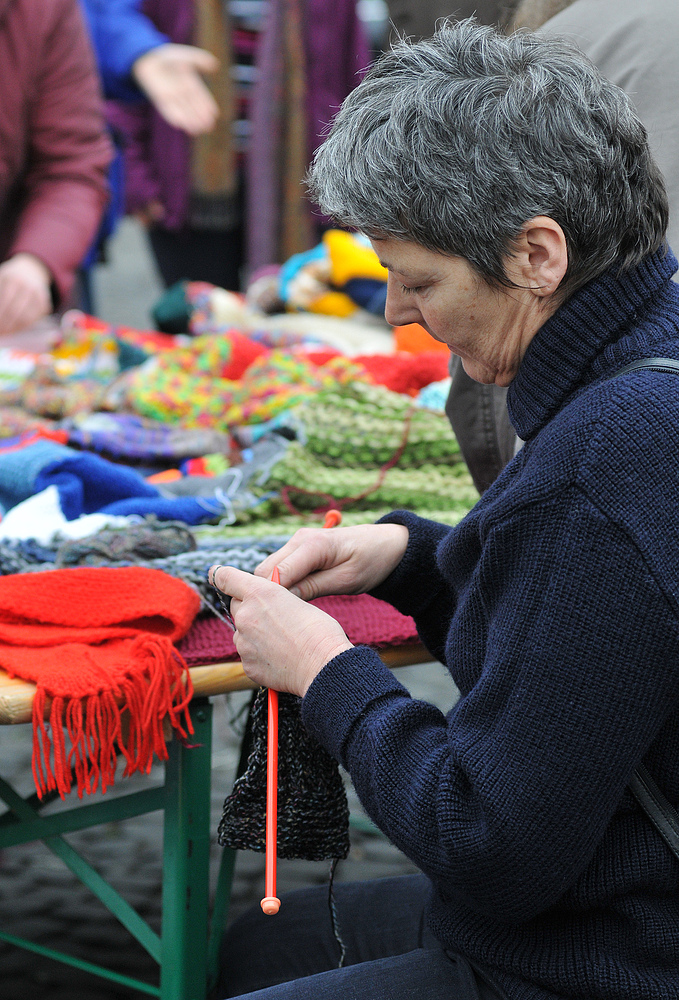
(120, 33)
(417, 587)
(66, 181)
(504, 802)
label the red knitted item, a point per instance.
(244, 351)
(406, 373)
(98, 641)
(364, 619)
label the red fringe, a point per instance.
(160, 687)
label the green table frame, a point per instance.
(187, 949)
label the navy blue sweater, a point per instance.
(555, 606)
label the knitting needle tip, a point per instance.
(270, 905)
(332, 518)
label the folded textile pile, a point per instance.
(161, 545)
(98, 642)
(306, 483)
(257, 427)
(337, 277)
(365, 448)
(365, 619)
(364, 425)
(85, 484)
(139, 439)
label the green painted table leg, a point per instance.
(186, 857)
(220, 913)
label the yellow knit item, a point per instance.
(333, 304)
(350, 259)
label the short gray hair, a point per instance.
(456, 141)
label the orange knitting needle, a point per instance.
(332, 518)
(271, 904)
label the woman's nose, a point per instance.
(399, 309)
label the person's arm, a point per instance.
(417, 587)
(137, 60)
(120, 34)
(171, 77)
(25, 292)
(504, 802)
(66, 182)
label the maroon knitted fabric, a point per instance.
(364, 619)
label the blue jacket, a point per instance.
(555, 606)
(120, 33)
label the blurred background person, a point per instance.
(141, 68)
(214, 200)
(54, 156)
(311, 54)
(137, 60)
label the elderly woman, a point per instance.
(509, 190)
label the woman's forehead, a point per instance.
(408, 259)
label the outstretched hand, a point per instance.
(282, 641)
(171, 77)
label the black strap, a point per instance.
(667, 365)
(662, 814)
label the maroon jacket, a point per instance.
(54, 148)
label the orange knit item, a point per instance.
(414, 338)
(98, 642)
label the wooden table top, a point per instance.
(16, 696)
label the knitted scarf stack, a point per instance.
(98, 642)
(363, 425)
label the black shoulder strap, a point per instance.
(668, 365)
(661, 813)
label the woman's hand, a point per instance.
(282, 641)
(25, 295)
(320, 561)
(171, 77)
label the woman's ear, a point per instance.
(540, 258)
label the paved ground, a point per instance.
(40, 899)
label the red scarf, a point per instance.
(98, 642)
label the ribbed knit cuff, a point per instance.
(342, 693)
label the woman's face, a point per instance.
(489, 328)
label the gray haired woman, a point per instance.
(509, 190)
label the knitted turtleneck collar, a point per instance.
(561, 356)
